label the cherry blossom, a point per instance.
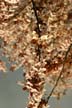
(37, 36)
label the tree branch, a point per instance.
(59, 74)
(35, 11)
(38, 28)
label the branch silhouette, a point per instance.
(38, 28)
(59, 74)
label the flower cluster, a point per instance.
(37, 36)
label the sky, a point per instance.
(12, 95)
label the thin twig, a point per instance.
(60, 73)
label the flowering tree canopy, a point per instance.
(37, 36)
